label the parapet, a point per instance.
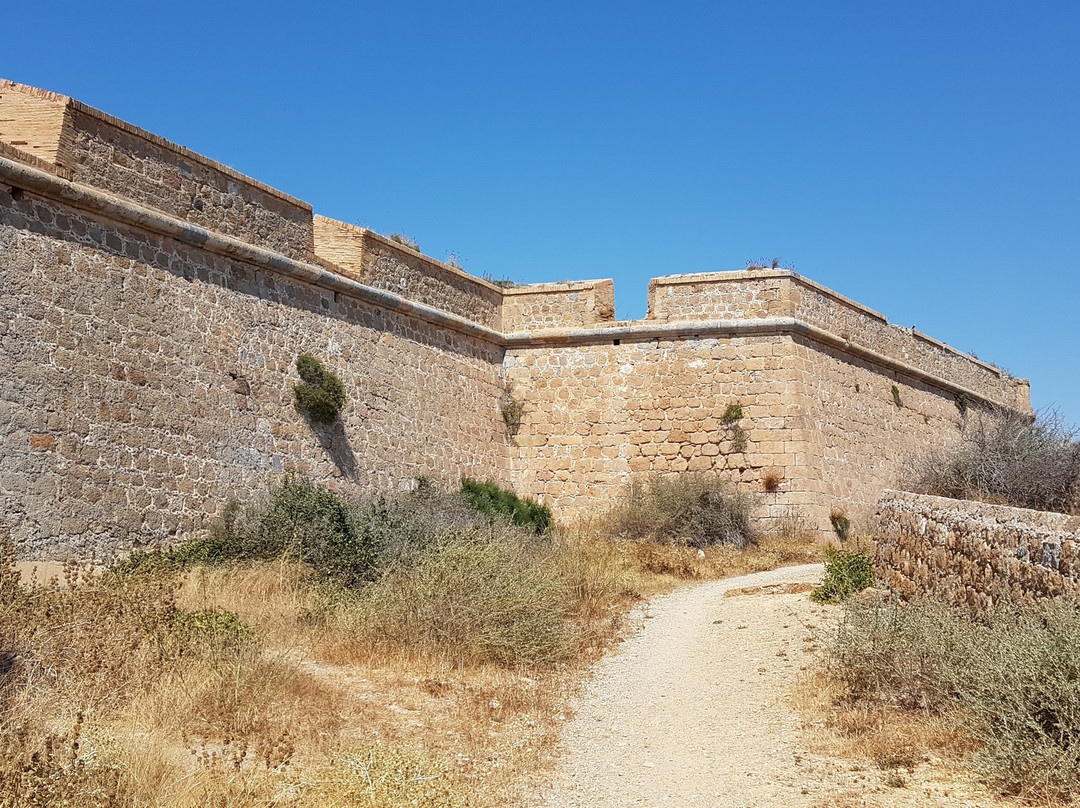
(571, 304)
(776, 294)
(85, 145)
(375, 260)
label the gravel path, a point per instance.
(691, 711)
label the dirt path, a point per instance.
(692, 710)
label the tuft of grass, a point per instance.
(689, 509)
(732, 415)
(405, 241)
(847, 573)
(771, 482)
(512, 411)
(840, 522)
(896, 397)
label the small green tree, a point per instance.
(321, 394)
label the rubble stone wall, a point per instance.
(975, 554)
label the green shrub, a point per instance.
(687, 508)
(321, 394)
(896, 396)
(732, 415)
(491, 500)
(847, 573)
(1013, 673)
(299, 520)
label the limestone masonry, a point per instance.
(154, 302)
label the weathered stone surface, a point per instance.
(153, 302)
(975, 554)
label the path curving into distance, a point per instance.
(691, 711)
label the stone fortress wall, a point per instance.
(153, 303)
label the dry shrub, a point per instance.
(469, 599)
(1009, 458)
(772, 481)
(690, 509)
(1013, 675)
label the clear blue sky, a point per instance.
(922, 158)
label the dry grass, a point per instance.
(666, 566)
(886, 736)
(246, 685)
(997, 694)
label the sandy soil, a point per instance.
(693, 711)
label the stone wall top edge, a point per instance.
(556, 286)
(156, 140)
(971, 507)
(48, 95)
(132, 214)
(765, 273)
(758, 274)
(388, 242)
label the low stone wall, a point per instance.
(975, 554)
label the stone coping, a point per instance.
(987, 512)
(556, 286)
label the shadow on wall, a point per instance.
(333, 439)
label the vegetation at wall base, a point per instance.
(688, 508)
(245, 658)
(320, 394)
(1006, 679)
(1008, 458)
(847, 573)
(491, 500)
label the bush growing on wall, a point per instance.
(320, 394)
